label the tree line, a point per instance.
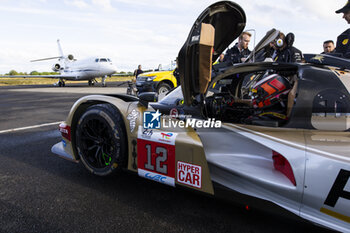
(34, 72)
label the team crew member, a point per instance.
(138, 71)
(328, 47)
(284, 49)
(240, 51)
(221, 59)
(176, 73)
(343, 39)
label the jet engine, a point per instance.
(70, 57)
(56, 67)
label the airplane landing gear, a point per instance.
(91, 83)
(61, 83)
(104, 81)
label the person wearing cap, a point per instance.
(343, 40)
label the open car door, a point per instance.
(213, 31)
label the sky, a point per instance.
(146, 32)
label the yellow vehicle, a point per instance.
(158, 81)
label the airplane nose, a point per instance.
(113, 69)
(110, 68)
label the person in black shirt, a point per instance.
(239, 52)
(295, 54)
(284, 49)
(343, 42)
(328, 47)
(176, 73)
(138, 71)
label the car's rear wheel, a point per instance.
(163, 88)
(101, 139)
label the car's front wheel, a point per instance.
(101, 139)
(163, 88)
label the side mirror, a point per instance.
(146, 97)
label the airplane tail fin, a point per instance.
(67, 58)
(60, 51)
(50, 58)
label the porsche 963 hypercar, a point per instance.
(274, 131)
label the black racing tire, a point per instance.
(100, 140)
(163, 88)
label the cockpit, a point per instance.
(103, 60)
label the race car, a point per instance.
(274, 131)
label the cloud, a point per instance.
(320, 9)
(81, 4)
(24, 10)
(104, 4)
(146, 32)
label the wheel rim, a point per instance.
(96, 142)
(163, 90)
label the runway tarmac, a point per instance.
(40, 192)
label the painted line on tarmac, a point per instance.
(29, 127)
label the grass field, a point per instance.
(34, 81)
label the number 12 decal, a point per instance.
(156, 161)
(161, 158)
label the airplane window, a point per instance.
(103, 60)
(109, 60)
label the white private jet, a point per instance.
(77, 70)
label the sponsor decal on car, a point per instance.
(146, 133)
(189, 174)
(157, 136)
(132, 119)
(319, 58)
(174, 113)
(156, 177)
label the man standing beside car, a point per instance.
(176, 73)
(343, 39)
(239, 52)
(138, 71)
